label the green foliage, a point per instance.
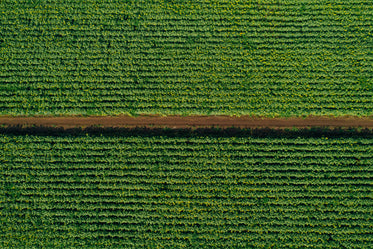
(197, 192)
(269, 58)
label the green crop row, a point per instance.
(268, 58)
(197, 192)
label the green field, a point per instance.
(174, 191)
(263, 57)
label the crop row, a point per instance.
(200, 191)
(192, 46)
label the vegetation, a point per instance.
(178, 190)
(263, 57)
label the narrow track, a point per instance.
(189, 121)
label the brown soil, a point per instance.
(189, 121)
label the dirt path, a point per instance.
(188, 121)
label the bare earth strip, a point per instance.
(189, 122)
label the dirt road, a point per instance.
(188, 121)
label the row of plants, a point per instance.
(176, 190)
(270, 58)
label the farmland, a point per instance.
(264, 58)
(176, 189)
(282, 72)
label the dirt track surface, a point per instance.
(189, 122)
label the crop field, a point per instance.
(92, 191)
(264, 57)
(187, 178)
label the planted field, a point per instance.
(269, 58)
(178, 191)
